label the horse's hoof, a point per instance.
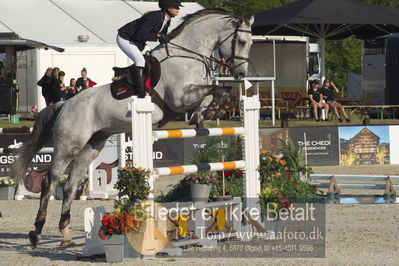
(33, 238)
(196, 118)
(67, 243)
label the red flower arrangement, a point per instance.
(115, 224)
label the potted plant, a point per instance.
(7, 188)
(281, 183)
(201, 184)
(113, 230)
(230, 184)
(129, 214)
(271, 201)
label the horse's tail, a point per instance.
(40, 135)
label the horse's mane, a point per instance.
(191, 17)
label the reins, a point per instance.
(207, 59)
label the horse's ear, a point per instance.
(251, 20)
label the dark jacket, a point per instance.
(315, 95)
(45, 83)
(55, 93)
(328, 92)
(144, 29)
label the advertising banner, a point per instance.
(272, 139)
(191, 144)
(39, 162)
(320, 143)
(394, 144)
(37, 169)
(165, 153)
(364, 145)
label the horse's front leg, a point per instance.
(78, 171)
(219, 105)
(70, 189)
(48, 185)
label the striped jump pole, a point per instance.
(12, 150)
(190, 133)
(16, 130)
(195, 168)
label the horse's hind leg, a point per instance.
(57, 169)
(79, 169)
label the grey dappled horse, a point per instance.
(80, 126)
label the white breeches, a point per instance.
(131, 50)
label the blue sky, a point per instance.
(349, 132)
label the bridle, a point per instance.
(207, 59)
(233, 47)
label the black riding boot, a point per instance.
(138, 81)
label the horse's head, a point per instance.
(234, 46)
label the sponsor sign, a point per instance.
(191, 144)
(320, 143)
(40, 161)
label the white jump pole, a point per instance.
(142, 140)
(121, 150)
(250, 107)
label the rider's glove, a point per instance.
(163, 38)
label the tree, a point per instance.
(244, 7)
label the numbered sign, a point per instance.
(99, 184)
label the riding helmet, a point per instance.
(169, 3)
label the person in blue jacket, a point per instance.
(152, 26)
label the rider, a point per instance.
(151, 26)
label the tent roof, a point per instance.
(61, 21)
(12, 39)
(328, 19)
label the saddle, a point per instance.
(33, 181)
(122, 85)
(107, 167)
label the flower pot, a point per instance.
(117, 249)
(271, 222)
(7, 193)
(200, 192)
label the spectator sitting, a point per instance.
(71, 90)
(328, 91)
(45, 83)
(84, 82)
(316, 100)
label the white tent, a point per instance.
(59, 23)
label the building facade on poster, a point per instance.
(364, 145)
